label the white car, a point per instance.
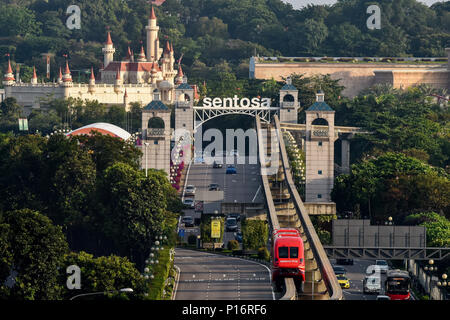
(189, 202)
(372, 284)
(383, 298)
(382, 264)
(190, 190)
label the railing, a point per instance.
(155, 132)
(320, 133)
(288, 104)
(291, 293)
(183, 104)
(320, 255)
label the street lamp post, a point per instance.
(126, 290)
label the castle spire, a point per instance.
(141, 56)
(60, 76)
(34, 79)
(8, 78)
(118, 82)
(108, 50)
(91, 87)
(9, 66)
(67, 77)
(92, 74)
(152, 15)
(180, 76)
(167, 48)
(108, 39)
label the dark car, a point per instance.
(231, 169)
(339, 270)
(344, 261)
(217, 165)
(231, 224)
(235, 215)
(188, 221)
(238, 237)
(214, 187)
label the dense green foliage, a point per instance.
(255, 234)
(209, 32)
(60, 114)
(31, 252)
(101, 274)
(391, 185)
(407, 121)
(89, 190)
(438, 227)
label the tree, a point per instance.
(20, 172)
(134, 209)
(17, 21)
(68, 181)
(390, 185)
(255, 234)
(101, 274)
(438, 227)
(32, 249)
(106, 150)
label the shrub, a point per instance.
(233, 245)
(255, 234)
(264, 254)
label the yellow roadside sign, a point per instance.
(215, 229)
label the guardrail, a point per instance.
(265, 181)
(291, 292)
(320, 255)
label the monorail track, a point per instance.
(286, 210)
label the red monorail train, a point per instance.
(288, 260)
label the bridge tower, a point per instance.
(184, 109)
(289, 103)
(156, 135)
(320, 138)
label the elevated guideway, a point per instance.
(286, 209)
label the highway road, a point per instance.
(207, 276)
(241, 187)
(356, 274)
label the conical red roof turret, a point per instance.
(9, 75)
(167, 48)
(108, 38)
(34, 73)
(152, 15)
(9, 67)
(92, 74)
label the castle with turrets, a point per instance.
(137, 78)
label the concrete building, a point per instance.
(357, 74)
(120, 82)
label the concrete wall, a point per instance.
(29, 95)
(356, 77)
(426, 281)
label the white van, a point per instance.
(372, 284)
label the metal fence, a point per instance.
(359, 233)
